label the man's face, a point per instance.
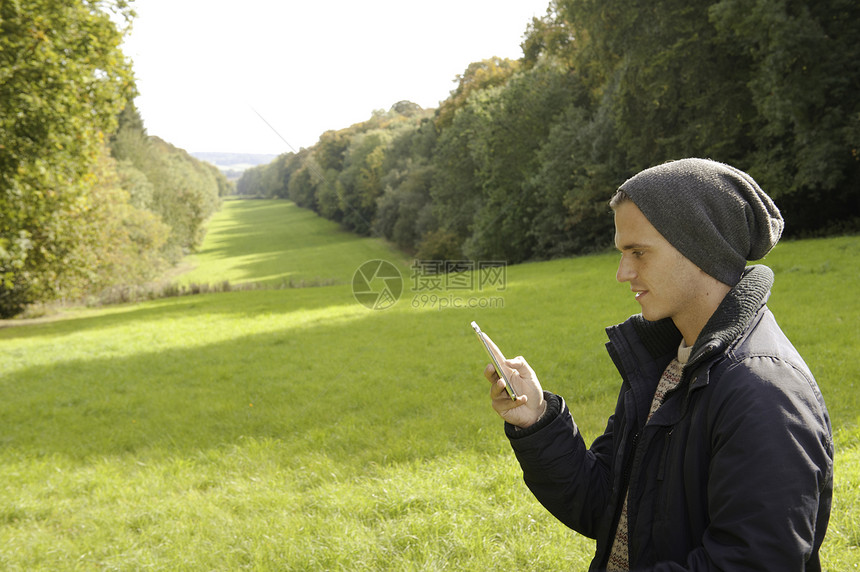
(666, 284)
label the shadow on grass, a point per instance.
(241, 303)
(354, 389)
(275, 241)
(365, 387)
(251, 224)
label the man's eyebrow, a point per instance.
(631, 246)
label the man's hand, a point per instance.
(530, 405)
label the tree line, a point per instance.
(520, 160)
(87, 199)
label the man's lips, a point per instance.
(639, 293)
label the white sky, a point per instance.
(203, 66)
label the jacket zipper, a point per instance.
(628, 466)
(661, 471)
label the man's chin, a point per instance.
(651, 315)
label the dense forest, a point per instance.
(520, 161)
(87, 199)
(516, 164)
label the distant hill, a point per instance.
(233, 164)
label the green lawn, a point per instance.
(297, 429)
(276, 242)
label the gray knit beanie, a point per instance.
(715, 215)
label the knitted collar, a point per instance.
(735, 312)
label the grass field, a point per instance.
(295, 429)
(275, 243)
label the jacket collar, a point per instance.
(641, 349)
(735, 313)
(729, 321)
(638, 345)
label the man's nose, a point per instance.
(625, 271)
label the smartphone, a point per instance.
(496, 364)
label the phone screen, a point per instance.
(496, 364)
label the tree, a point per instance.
(803, 74)
(521, 159)
(769, 88)
(360, 182)
(501, 130)
(403, 214)
(63, 81)
(301, 188)
(119, 243)
(477, 76)
(580, 165)
(181, 190)
(552, 34)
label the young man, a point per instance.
(719, 454)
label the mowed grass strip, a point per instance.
(295, 429)
(277, 243)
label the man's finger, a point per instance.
(517, 364)
(490, 373)
(497, 389)
(503, 403)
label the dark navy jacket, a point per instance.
(733, 472)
